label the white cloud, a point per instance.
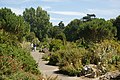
(51, 0)
(114, 0)
(56, 19)
(115, 3)
(68, 13)
(46, 7)
(104, 11)
(64, 0)
(111, 13)
(54, 0)
(17, 11)
(15, 1)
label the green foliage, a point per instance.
(46, 56)
(90, 58)
(71, 59)
(14, 59)
(8, 39)
(61, 36)
(96, 30)
(30, 37)
(55, 45)
(54, 31)
(27, 62)
(25, 76)
(68, 59)
(91, 46)
(54, 59)
(14, 24)
(61, 25)
(71, 30)
(38, 20)
(56, 56)
(117, 24)
(107, 53)
(70, 62)
(57, 32)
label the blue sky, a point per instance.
(67, 10)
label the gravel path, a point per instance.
(50, 70)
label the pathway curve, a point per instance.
(50, 70)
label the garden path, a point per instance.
(48, 70)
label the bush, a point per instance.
(21, 75)
(70, 63)
(55, 45)
(14, 59)
(46, 56)
(68, 60)
(107, 53)
(54, 59)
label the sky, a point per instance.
(67, 10)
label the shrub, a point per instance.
(14, 59)
(68, 60)
(54, 59)
(21, 75)
(46, 56)
(55, 45)
(71, 61)
(106, 52)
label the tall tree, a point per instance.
(38, 20)
(117, 24)
(71, 30)
(13, 24)
(61, 25)
(96, 30)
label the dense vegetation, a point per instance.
(38, 20)
(82, 42)
(15, 62)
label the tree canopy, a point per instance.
(94, 30)
(71, 30)
(117, 24)
(38, 20)
(13, 24)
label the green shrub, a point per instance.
(106, 53)
(8, 38)
(14, 59)
(71, 70)
(55, 45)
(54, 59)
(21, 75)
(46, 56)
(69, 61)
(90, 58)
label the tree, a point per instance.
(117, 24)
(89, 17)
(13, 24)
(71, 30)
(38, 20)
(96, 30)
(61, 25)
(31, 36)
